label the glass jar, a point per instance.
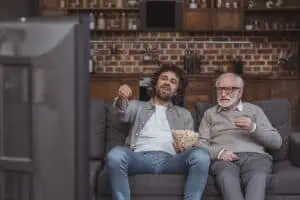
(101, 22)
(132, 3)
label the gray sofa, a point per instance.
(106, 131)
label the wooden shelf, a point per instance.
(213, 19)
(102, 9)
(198, 19)
(228, 9)
(227, 19)
(114, 30)
(210, 31)
(197, 9)
(272, 31)
(211, 8)
(284, 9)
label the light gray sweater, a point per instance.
(218, 127)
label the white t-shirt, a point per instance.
(156, 134)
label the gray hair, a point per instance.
(239, 81)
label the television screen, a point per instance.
(164, 15)
(44, 108)
(161, 15)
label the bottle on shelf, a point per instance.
(93, 4)
(193, 4)
(108, 4)
(112, 21)
(219, 4)
(130, 23)
(74, 4)
(117, 21)
(108, 22)
(62, 4)
(204, 4)
(227, 4)
(77, 4)
(92, 21)
(235, 4)
(71, 4)
(134, 25)
(131, 3)
(119, 3)
(84, 3)
(123, 21)
(101, 22)
(100, 3)
(92, 66)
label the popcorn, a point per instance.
(185, 138)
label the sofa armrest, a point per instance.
(294, 149)
(96, 165)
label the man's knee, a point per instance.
(225, 171)
(199, 157)
(255, 177)
(227, 176)
(116, 157)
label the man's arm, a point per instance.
(205, 138)
(126, 111)
(265, 133)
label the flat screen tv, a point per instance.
(44, 108)
(161, 15)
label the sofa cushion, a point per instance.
(285, 179)
(279, 113)
(154, 184)
(94, 166)
(198, 113)
(97, 129)
(116, 131)
(295, 149)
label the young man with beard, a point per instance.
(151, 149)
(238, 133)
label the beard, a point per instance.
(164, 93)
(229, 102)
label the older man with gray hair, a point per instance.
(237, 135)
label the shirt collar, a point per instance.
(150, 106)
(239, 107)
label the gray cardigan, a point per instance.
(219, 131)
(137, 113)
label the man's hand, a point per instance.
(179, 147)
(244, 123)
(125, 92)
(228, 156)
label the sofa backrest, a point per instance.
(98, 111)
(116, 131)
(106, 130)
(278, 112)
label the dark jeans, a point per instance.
(249, 173)
(123, 162)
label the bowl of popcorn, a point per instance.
(185, 138)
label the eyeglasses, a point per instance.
(227, 90)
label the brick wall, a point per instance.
(260, 55)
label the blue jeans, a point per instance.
(123, 162)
